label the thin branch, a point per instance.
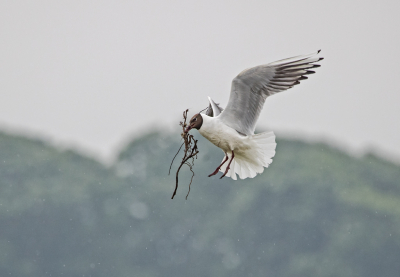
(190, 167)
(169, 172)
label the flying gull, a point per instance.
(232, 128)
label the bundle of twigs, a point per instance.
(190, 152)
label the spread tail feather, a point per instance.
(256, 158)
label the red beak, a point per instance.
(188, 128)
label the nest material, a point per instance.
(190, 152)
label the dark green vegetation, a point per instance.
(315, 212)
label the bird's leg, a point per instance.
(229, 164)
(216, 171)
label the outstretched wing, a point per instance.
(213, 109)
(252, 86)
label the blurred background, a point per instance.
(92, 93)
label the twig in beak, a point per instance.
(190, 151)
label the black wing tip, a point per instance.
(318, 51)
(309, 72)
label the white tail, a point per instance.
(253, 161)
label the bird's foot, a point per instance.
(215, 172)
(219, 167)
(228, 167)
(226, 171)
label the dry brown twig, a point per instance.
(190, 152)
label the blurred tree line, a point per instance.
(315, 212)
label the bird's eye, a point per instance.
(195, 119)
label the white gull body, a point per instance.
(252, 153)
(232, 128)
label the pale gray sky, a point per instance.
(92, 73)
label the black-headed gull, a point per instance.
(232, 128)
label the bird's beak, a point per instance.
(188, 128)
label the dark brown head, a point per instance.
(195, 122)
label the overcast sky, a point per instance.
(90, 74)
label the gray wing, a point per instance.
(213, 109)
(252, 86)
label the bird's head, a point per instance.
(195, 122)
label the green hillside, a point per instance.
(315, 212)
